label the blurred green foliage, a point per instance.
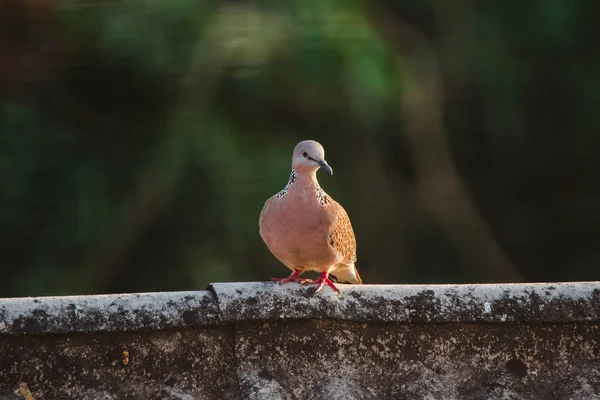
(139, 140)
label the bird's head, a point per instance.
(309, 156)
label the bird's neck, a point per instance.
(304, 181)
(306, 178)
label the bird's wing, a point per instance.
(341, 235)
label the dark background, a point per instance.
(139, 140)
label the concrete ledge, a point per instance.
(258, 301)
(107, 313)
(541, 302)
(265, 341)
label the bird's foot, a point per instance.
(324, 279)
(294, 277)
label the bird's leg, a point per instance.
(324, 279)
(294, 277)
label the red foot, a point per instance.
(294, 277)
(324, 279)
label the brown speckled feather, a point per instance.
(341, 235)
(342, 239)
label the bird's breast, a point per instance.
(296, 232)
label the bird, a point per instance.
(306, 229)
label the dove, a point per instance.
(307, 230)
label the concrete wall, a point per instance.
(264, 341)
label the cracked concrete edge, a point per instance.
(226, 303)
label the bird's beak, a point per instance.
(325, 166)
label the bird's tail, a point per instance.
(346, 274)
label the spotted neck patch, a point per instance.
(287, 187)
(322, 196)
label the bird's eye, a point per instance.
(304, 154)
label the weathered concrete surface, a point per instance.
(576, 301)
(107, 313)
(186, 364)
(265, 341)
(335, 360)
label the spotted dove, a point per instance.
(305, 228)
